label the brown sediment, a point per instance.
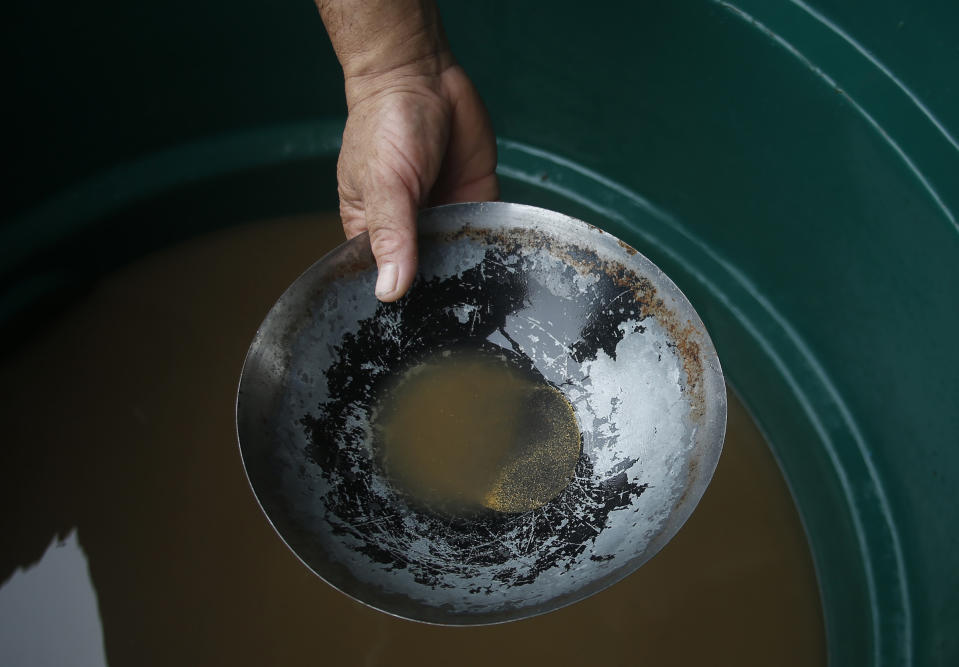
(545, 466)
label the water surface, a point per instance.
(119, 425)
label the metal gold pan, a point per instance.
(585, 312)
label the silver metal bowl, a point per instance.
(589, 314)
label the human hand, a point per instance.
(417, 133)
(412, 139)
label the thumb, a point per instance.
(391, 220)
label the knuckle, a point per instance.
(387, 241)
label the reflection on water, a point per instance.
(48, 612)
(120, 425)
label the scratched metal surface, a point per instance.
(584, 311)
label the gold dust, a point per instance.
(543, 466)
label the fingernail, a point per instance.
(386, 280)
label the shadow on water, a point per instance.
(118, 421)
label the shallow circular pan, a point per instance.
(580, 309)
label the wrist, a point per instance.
(382, 42)
(422, 75)
(422, 54)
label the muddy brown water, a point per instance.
(465, 430)
(118, 420)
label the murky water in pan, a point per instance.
(466, 430)
(119, 424)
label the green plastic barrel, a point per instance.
(793, 167)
